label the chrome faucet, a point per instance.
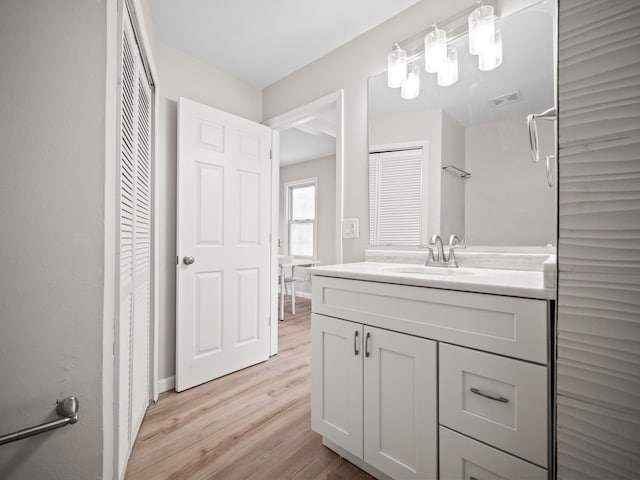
(437, 241)
(442, 259)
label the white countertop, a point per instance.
(515, 283)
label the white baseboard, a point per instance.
(166, 384)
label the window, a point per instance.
(396, 206)
(301, 217)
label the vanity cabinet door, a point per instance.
(336, 381)
(400, 395)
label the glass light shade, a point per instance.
(448, 74)
(411, 86)
(435, 50)
(492, 57)
(481, 29)
(396, 67)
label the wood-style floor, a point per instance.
(252, 424)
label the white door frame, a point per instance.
(282, 122)
(115, 19)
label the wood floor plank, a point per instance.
(252, 424)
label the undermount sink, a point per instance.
(427, 270)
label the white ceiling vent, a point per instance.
(507, 98)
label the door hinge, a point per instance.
(270, 154)
(269, 320)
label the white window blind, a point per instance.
(395, 197)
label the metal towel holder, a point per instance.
(67, 409)
(457, 171)
(550, 114)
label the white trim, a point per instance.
(394, 147)
(275, 225)
(109, 307)
(301, 115)
(166, 384)
(282, 122)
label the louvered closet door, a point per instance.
(135, 246)
(395, 197)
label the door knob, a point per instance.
(188, 260)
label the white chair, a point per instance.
(287, 284)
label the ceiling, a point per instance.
(312, 137)
(297, 146)
(261, 41)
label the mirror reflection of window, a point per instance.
(302, 213)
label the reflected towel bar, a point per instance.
(457, 171)
(67, 409)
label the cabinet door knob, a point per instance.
(366, 344)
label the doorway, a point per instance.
(308, 148)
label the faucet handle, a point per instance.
(454, 241)
(434, 239)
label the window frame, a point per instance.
(288, 188)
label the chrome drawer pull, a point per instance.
(490, 397)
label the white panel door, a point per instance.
(400, 410)
(336, 381)
(224, 201)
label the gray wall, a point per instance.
(324, 169)
(453, 188)
(52, 135)
(182, 75)
(508, 200)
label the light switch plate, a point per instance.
(350, 228)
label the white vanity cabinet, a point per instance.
(374, 394)
(427, 383)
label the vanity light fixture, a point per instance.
(435, 49)
(485, 41)
(411, 86)
(492, 56)
(481, 29)
(396, 67)
(448, 73)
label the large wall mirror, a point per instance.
(477, 125)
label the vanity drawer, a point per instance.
(515, 327)
(497, 400)
(462, 458)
